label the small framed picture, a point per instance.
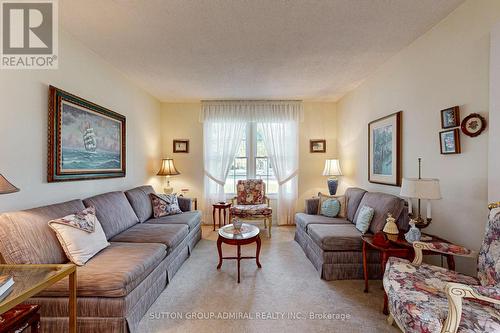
(450, 117)
(181, 146)
(317, 146)
(450, 141)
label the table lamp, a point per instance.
(332, 169)
(6, 187)
(421, 189)
(168, 169)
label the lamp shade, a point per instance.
(6, 186)
(421, 188)
(168, 168)
(332, 168)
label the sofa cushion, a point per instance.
(302, 220)
(80, 235)
(140, 201)
(26, 238)
(191, 218)
(170, 235)
(114, 272)
(382, 204)
(336, 237)
(353, 196)
(113, 211)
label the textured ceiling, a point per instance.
(186, 50)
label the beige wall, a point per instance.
(494, 132)
(181, 121)
(23, 126)
(447, 66)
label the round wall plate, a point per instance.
(473, 125)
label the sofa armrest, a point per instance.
(185, 203)
(439, 247)
(455, 292)
(312, 206)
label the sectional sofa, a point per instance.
(117, 286)
(334, 245)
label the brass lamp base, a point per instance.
(420, 222)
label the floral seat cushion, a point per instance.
(418, 302)
(243, 211)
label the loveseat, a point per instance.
(117, 286)
(334, 245)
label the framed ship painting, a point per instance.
(384, 150)
(86, 141)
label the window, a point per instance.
(258, 166)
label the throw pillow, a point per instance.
(365, 217)
(330, 207)
(340, 198)
(81, 235)
(164, 204)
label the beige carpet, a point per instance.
(280, 297)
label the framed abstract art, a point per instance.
(85, 140)
(449, 142)
(384, 150)
(450, 117)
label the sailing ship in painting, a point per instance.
(90, 141)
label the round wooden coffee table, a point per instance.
(246, 235)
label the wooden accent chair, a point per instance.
(426, 298)
(252, 203)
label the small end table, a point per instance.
(246, 235)
(220, 207)
(398, 247)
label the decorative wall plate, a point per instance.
(473, 125)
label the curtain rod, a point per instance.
(251, 100)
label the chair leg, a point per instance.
(270, 225)
(390, 319)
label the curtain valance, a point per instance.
(251, 111)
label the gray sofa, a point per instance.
(334, 245)
(117, 286)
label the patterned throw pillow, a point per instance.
(164, 204)
(341, 198)
(81, 235)
(330, 207)
(365, 217)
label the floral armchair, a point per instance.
(430, 299)
(252, 203)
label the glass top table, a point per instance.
(29, 280)
(247, 231)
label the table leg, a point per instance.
(35, 324)
(451, 262)
(213, 216)
(257, 254)
(219, 249)
(365, 267)
(224, 216)
(220, 220)
(72, 302)
(383, 261)
(239, 258)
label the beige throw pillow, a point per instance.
(341, 198)
(81, 235)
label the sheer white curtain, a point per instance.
(221, 139)
(223, 128)
(282, 145)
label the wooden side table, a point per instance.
(19, 318)
(220, 208)
(400, 248)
